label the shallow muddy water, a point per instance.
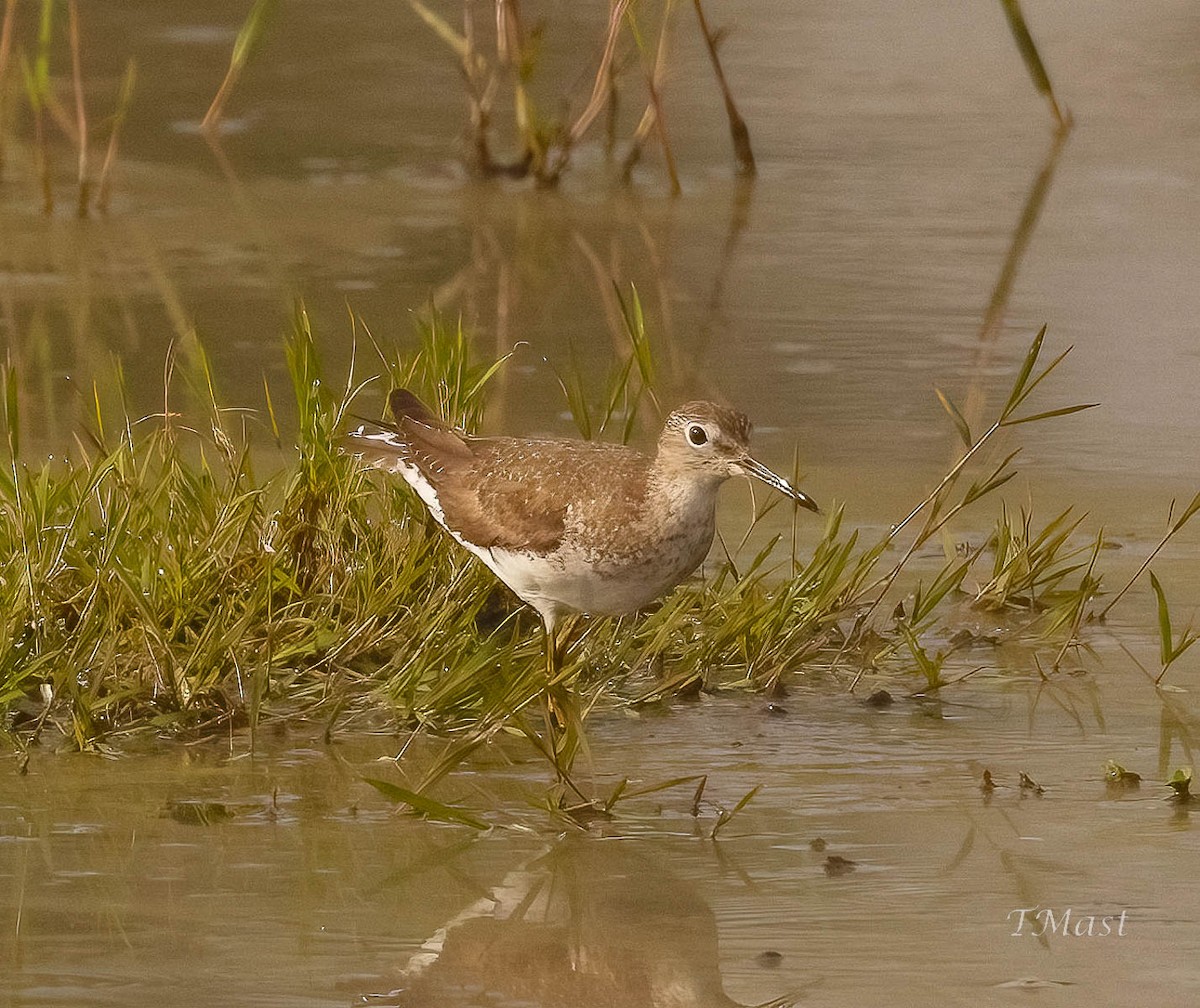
(878, 254)
(187, 876)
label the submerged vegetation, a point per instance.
(156, 582)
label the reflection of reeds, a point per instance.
(104, 187)
(6, 30)
(81, 126)
(43, 103)
(1033, 60)
(37, 91)
(993, 317)
(1177, 722)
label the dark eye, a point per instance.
(697, 435)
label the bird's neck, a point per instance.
(683, 487)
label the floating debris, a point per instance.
(836, 865)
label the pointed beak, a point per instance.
(752, 467)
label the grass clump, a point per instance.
(157, 582)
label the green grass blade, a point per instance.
(41, 71)
(12, 414)
(1045, 373)
(960, 422)
(663, 785)
(1047, 414)
(253, 29)
(425, 806)
(726, 817)
(1184, 518)
(1165, 640)
(1018, 388)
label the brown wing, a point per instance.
(524, 493)
(504, 492)
(496, 511)
(477, 501)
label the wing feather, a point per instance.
(506, 493)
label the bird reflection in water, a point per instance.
(590, 923)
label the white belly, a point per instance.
(565, 581)
(609, 579)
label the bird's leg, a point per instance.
(558, 641)
(553, 724)
(552, 656)
(564, 721)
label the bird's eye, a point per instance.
(697, 435)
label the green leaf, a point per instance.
(746, 799)
(1044, 375)
(994, 481)
(427, 807)
(725, 817)
(1187, 514)
(930, 668)
(252, 31)
(1181, 783)
(12, 414)
(1063, 411)
(1164, 620)
(664, 785)
(619, 790)
(488, 374)
(1185, 642)
(1018, 390)
(41, 71)
(949, 580)
(960, 422)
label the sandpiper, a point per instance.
(574, 526)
